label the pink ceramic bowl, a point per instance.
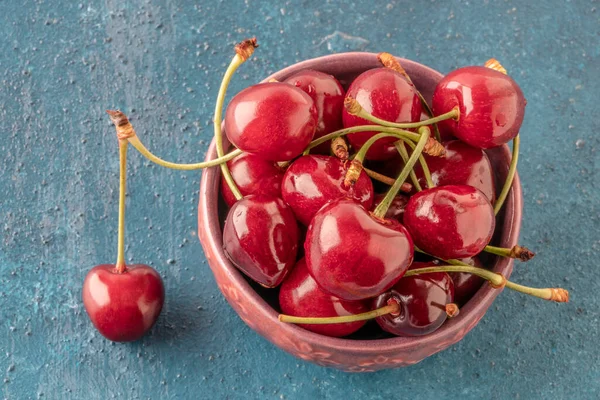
(349, 354)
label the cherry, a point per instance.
(461, 165)
(312, 181)
(353, 255)
(252, 175)
(385, 94)
(396, 210)
(123, 306)
(422, 300)
(465, 284)
(275, 121)
(300, 295)
(453, 221)
(328, 95)
(491, 106)
(260, 237)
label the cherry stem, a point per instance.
(520, 252)
(354, 108)
(406, 187)
(399, 133)
(361, 154)
(389, 61)
(497, 281)
(243, 51)
(424, 167)
(391, 308)
(404, 154)
(382, 208)
(120, 264)
(125, 132)
(512, 169)
(135, 142)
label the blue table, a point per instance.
(62, 63)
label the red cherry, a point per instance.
(385, 94)
(301, 296)
(465, 285)
(275, 121)
(354, 256)
(462, 165)
(453, 221)
(328, 95)
(422, 300)
(491, 106)
(312, 181)
(252, 175)
(260, 237)
(123, 306)
(396, 210)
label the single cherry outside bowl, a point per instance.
(253, 304)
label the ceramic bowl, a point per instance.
(255, 305)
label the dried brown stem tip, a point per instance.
(522, 253)
(245, 48)
(492, 63)
(352, 105)
(389, 61)
(122, 125)
(339, 148)
(353, 173)
(452, 310)
(434, 148)
(559, 295)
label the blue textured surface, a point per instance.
(62, 63)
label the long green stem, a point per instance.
(120, 264)
(510, 176)
(404, 154)
(497, 280)
(361, 154)
(135, 142)
(424, 166)
(388, 309)
(356, 109)
(389, 197)
(233, 66)
(399, 133)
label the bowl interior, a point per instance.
(213, 210)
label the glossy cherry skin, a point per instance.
(387, 95)
(328, 95)
(312, 181)
(300, 296)
(465, 285)
(396, 209)
(354, 256)
(260, 238)
(123, 306)
(422, 300)
(275, 121)
(491, 106)
(462, 165)
(252, 175)
(453, 221)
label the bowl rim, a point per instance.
(475, 308)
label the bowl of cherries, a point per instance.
(358, 210)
